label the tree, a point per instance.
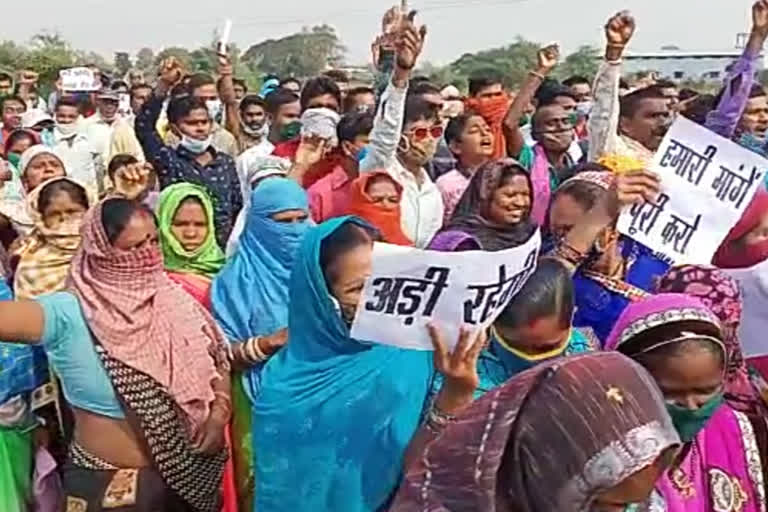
(306, 53)
(582, 62)
(122, 63)
(182, 55)
(145, 59)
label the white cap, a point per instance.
(33, 117)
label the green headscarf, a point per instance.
(208, 259)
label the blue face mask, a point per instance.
(362, 154)
(195, 146)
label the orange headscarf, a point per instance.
(493, 110)
(386, 221)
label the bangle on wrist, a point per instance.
(250, 353)
(616, 45)
(538, 75)
(257, 348)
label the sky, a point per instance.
(455, 26)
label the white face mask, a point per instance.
(66, 130)
(214, 109)
(196, 146)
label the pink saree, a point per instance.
(722, 471)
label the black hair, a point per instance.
(349, 236)
(137, 87)
(686, 94)
(5, 77)
(424, 87)
(319, 86)
(549, 291)
(353, 125)
(17, 135)
(117, 84)
(349, 99)
(252, 99)
(337, 75)
(576, 80)
(10, 98)
(241, 83)
(456, 126)
(290, 80)
(665, 84)
(66, 101)
(630, 103)
(623, 84)
(181, 106)
(75, 192)
(119, 161)
(417, 108)
(549, 91)
(756, 91)
(698, 109)
(484, 78)
(199, 80)
(116, 212)
(635, 346)
(277, 98)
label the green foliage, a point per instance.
(122, 63)
(583, 62)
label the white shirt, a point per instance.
(421, 208)
(83, 162)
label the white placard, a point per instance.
(224, 41)
(410, 288)
(707, 182)
(79, 79)
(124, 109)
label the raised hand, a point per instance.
(28, 77)
(459, 368)
(225, 65)
(619, 29)
(171, 72)
(410, 39)
(311, 150)
(548, 58)
(132, 180)
(637, 187)
(760, 18)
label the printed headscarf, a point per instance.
(46, 253)
(471, 213)
(533, 444)
(207, 259)
(386, 221)
(145, 321)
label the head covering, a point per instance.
(471, 214)
(46, 253)
(386, 221)
(450, 241)
(602, 179)
(732, 253)
(493, 110)
(250, 295)
(269, 86)
(207, 259)
(721, 294)
(250, 172)
(533, 444)
(143, 320)
(655, 311)
(322, 123)
(33, 152)
(33, 117)
(338, 411)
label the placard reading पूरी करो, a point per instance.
(79, 79)
(707, 182)
(410, 288)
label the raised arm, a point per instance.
(604, 120)
(21, 321)
(547, 60)
(388, 124)
(741, 77)
(227, 95)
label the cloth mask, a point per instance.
(584, 108)
(689, 422)
(14, 159)
(65, 131)
(255, 129)
(214, 108)
(518, 360)
(196, 146)
(421, 151)
(290, 131)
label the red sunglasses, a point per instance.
(421, 133)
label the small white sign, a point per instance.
(410, 288)
(79, 79)
(707, 182)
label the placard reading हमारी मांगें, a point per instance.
(410, 288)
(707, 182)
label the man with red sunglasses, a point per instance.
(404, 139)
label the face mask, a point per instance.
(689, 422)
(214, 109)
(561, 139)
(66, 131)
(290, 131)
(525, 120)
(254, 130)
(517, 360)
(14, 159)
(584, 108)
(196, 146)
(362, 153)
(752, 142)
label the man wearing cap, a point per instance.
(102, 127)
